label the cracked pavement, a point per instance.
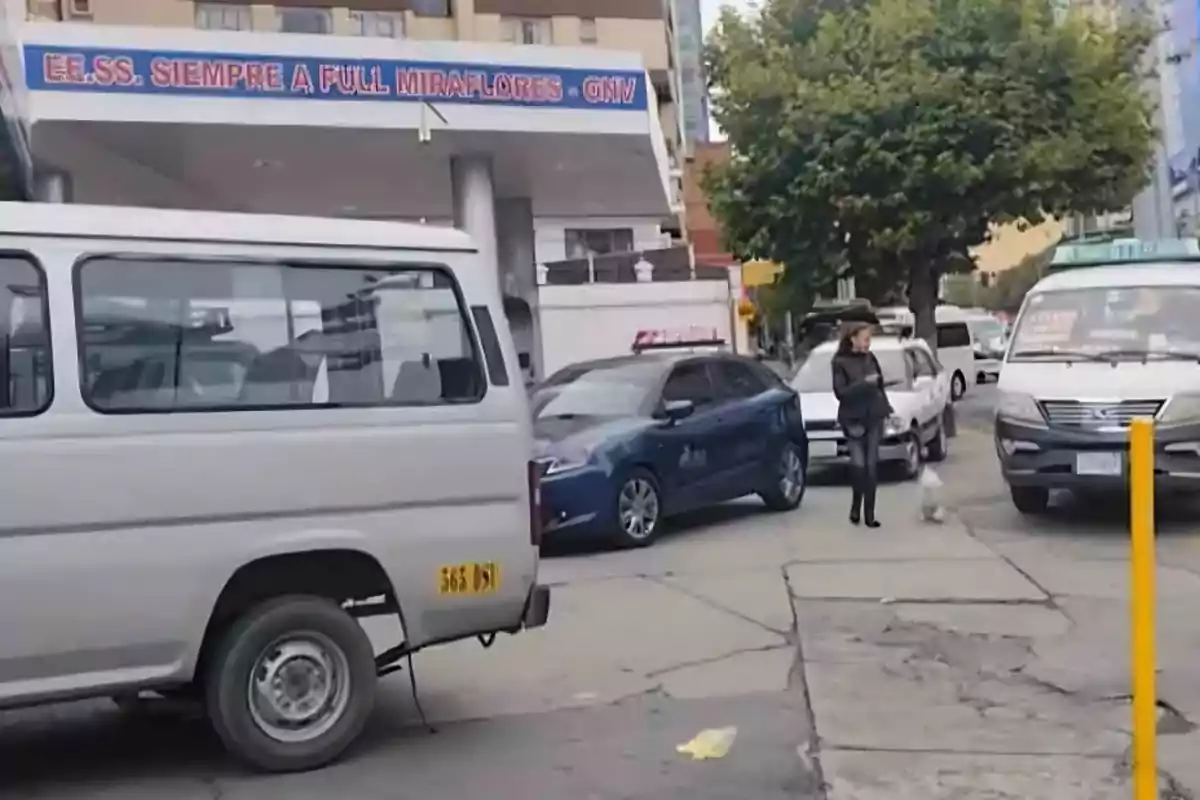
(983, 658)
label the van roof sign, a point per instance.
(1122, 251)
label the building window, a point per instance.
(26, 379)
(76, 9)
(431, 8)
(386, 24)
(587, 30)
(526, 30)
(222, 17)
(304, 20)
(172, 335)
(584, 242)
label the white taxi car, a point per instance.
(917, 386)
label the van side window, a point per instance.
(164, 335)
(953, 334)
(26, 377)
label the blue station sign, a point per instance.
(241, 75)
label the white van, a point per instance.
(225, 437)
(955, 344)
(988, 335)
(1092, 348)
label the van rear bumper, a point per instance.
(537, 607)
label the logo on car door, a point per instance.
(692, 458)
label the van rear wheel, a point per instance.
(958, 386)
(292, 684)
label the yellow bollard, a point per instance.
(1141, 604)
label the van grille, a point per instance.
(1092, 414)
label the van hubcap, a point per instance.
(637, 507)
(299, 688)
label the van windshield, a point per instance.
(1122, 323)
(987, 332)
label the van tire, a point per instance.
(312, 626)
(958, 386)
(1030, 499)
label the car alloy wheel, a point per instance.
(638, 508)
(791, 475)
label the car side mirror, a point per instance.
(675, 410)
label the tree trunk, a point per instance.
(922, 300)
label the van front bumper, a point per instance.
(1050, 457)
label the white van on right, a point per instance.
(1095, 346)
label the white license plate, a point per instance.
(1098, 463)
(820, 449)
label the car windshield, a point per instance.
(1123, 323)
(617, 390)
(817, 373)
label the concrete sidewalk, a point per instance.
(930, 665)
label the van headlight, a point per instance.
(1019, 407)
(894, 426)
(1181, 408)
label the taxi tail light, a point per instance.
(535, 469)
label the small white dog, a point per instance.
(932, 509)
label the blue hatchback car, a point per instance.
(628, 441)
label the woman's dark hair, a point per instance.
(847, 334)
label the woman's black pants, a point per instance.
(864, 470)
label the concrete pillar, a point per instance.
(518, 265)
(52, 187)
(474, 200)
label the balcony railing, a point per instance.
(666, 264)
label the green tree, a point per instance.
(883, 138)
(1012, 284)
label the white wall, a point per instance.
(550, 233)
(600, 320)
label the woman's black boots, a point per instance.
(856, 501)
(869, 504)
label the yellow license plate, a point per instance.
(472, 577)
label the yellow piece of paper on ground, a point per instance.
(709, 743)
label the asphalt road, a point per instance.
(983, 658)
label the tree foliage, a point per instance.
(884, 138)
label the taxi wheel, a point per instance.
(910, 467)
(938, 448)
(789, 481)
(637, 510)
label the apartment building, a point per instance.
(645, 26)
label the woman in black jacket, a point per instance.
(863, 408)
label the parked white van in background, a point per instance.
(225, 437)
(955, 344)
(990, 341)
